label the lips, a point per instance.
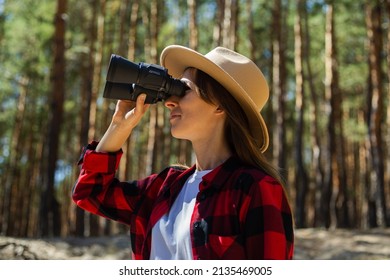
(174, 116)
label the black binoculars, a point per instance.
(127, 80)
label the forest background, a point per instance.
(327, 64)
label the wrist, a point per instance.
(113, 139)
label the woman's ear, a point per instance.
(219, 110)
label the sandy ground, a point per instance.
(310, 244)
(320, 244)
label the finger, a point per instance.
(141, 99)
(141, 107)
(125, 105)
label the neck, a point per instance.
(211, 154)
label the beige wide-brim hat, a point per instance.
(237, 73)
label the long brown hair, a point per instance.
(237, 131)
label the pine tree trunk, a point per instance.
(94, 225)
(251, 31)
(50, 223)
(192, 24)
(387, 137)
(317, 168)
(218, 26)
(279, 86)
(331, 141)
(229, 26)
(12, 188)
(375, 116)
(301, 180)
(123, 12)
(336, 184)
(126, 164)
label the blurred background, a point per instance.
(327, 64)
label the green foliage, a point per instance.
(26, 51)
(25, 56)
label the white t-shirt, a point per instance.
(171, 238)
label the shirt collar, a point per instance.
(219, 175)
(214, 179)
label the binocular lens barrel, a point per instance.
(121, 70)
(118, 91)
(126, 80)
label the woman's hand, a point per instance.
(125, 118)
(128, 116)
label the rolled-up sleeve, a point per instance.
(98, 191)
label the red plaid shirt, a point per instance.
(240, 212)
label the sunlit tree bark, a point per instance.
(278, 92)
(377, 198)
(301, 179)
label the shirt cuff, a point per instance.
(102, 162)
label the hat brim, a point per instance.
(178, 58)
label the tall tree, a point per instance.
(387, 163)
(219, 19)
(50, 215)
(97, 56)
(279, 84)
(317, 169)
(301, 179)
(335, 189)
(86, 93)
(230, 24)
(377, 196)
(251, 31)
(96, 49)
(132, 39)
(9, 201)
(192, 24)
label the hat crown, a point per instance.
(244, 72)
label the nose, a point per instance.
(171, 102)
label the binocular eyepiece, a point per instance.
(127, 80)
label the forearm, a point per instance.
(114, 138)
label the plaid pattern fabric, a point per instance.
(240, 212)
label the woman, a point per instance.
(230, 204)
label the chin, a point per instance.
(176, 134)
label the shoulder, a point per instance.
(259, 185)
(169, 174)
(238, 175)
(173, 170)
(249, 175)
(264, 190)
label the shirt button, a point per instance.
(202, 196)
